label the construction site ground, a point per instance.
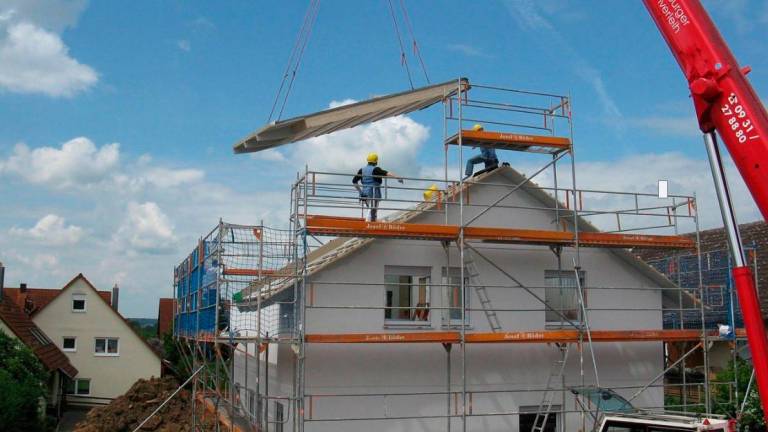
(129, 410)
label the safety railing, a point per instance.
(333, 194)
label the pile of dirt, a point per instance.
(130, 409)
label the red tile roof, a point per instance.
(165, 311)
(40, 297)
(31, 335)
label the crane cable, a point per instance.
(403, 58)
(416, 50)
(295, 57)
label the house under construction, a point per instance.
(489, 303)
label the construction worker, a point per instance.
(370, 178)
(486, 156)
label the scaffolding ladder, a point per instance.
(482, 293)
(553, 381)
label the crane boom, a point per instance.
(724, 99)
(725, 102)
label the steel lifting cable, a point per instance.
(403, 57)
(313, 18)
(416, 50)
(295, 57)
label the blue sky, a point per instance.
(117, 119)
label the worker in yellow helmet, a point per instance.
(487, 156)
(370, 178)
(431, 192)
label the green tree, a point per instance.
(752, 417)
(173, 355)
(22, 385)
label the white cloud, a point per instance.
(203, 23)
(53, 15)
(640, 173)
(166, 178)
(531, 17)
(764, 14)
(34, 60)
(469, 50)
(271, 155)
(397, 140)
(184, 45)
(146, 229)
(51, 230)
(77, 163)
(40, 262)
(684, 126)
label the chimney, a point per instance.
(2, 280)
(115, 296)
(23, 287)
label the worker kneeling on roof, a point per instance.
(370, 177)
(486, 156)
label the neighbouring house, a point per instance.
(719, 294)
(109, 355)
(396, 276)
(166, 308)
(754, 237)
(15, 323)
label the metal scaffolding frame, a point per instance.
(257, 281)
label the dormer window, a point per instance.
(78, 302)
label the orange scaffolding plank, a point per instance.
(414, 337)
(511, 141)
(324, 225)
(537, 336)
(255, 272)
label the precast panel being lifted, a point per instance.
(348, 116)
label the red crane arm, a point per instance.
(725, 102)
(724, 99)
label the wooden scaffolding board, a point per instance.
(354, 227)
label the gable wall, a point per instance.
(382, 368)
(110, 376)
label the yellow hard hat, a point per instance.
(373, 158)
(477, 127)
(429, 193)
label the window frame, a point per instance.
(420, 276)
(63, 344)
(554, 411)
(106, 352)
(569, 274)
(447, 273)
(79, 297)
(76, 388)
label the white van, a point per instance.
(646, 422)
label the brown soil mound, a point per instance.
(130, 409)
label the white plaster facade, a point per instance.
(110, 374)
(423, 367)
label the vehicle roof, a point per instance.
(682, 421)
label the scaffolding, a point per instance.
(247, 290)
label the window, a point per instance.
(279, 417)
(407, 293)
(69, 344)
(562, 295)
(106, 347)
(78, 302)
(528, 416)
(452, 287)
(79, 387)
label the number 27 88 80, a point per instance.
(738, 120)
